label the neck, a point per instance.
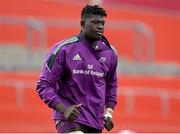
(91, 41)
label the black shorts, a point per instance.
(64, 126)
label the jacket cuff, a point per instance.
(53, 104)
(110, 105)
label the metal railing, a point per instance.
(128, 92)
(41, 26)
(31, 24)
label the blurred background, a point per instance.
(146, 35)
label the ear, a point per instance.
(82, 23)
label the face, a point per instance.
(93, 27)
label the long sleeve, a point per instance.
(52, 71)
(111, 83)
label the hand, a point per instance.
(72, 112)
(108, 124)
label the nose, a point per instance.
(100, 26)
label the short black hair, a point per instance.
(93, 10)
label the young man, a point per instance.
(78, 79)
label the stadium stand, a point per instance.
(147, 41)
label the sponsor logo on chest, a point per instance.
(90, 67)
(77, 57)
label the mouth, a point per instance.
(100, 33)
